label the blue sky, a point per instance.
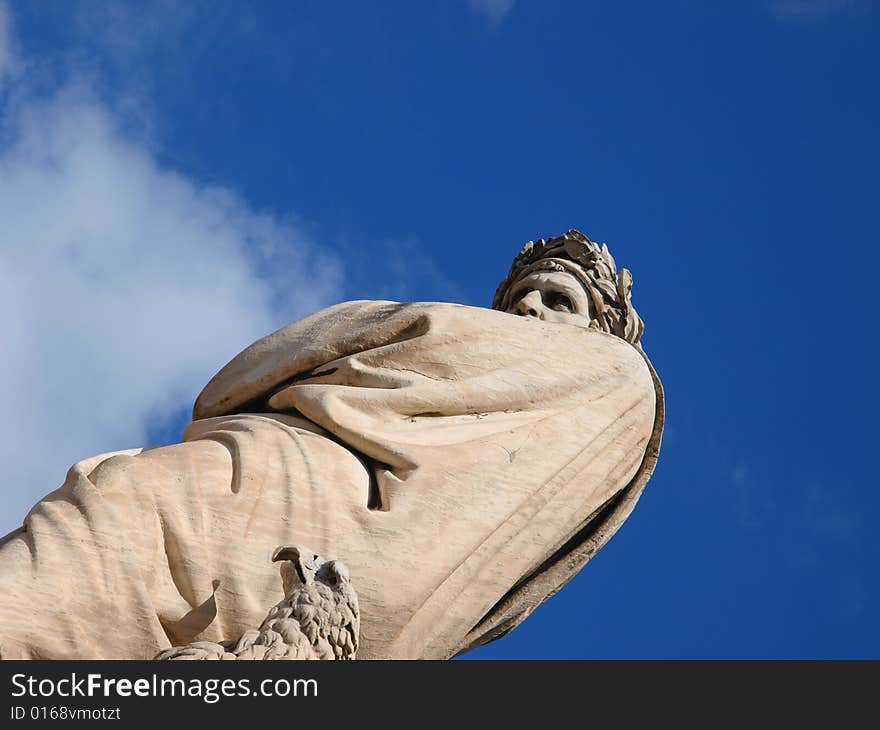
(175, 182)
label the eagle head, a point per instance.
(304, 567)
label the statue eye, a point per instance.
(559, 302)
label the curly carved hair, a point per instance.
(609, 290)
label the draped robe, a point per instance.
(465, 463)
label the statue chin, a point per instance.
(463, 463)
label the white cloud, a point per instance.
(123, 286)
(493, 10)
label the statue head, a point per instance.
(571, 279)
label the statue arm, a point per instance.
(293, 352)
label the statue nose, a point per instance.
(530, 305)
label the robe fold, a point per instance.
(465, 463)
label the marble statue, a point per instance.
(464, 462)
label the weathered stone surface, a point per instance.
(464, 462)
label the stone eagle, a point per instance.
(318, 618)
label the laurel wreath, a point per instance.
(610, 290)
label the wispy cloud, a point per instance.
(752, 505)
(124, 285)
(815, 510)
(132, 28)
(811, 9)
(410, 275)
(494, 11)
(825, 515)
(7, 50)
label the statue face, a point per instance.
(553, 296)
